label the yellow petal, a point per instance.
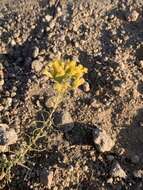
(69, 66)
(56, 66)
(78, 82)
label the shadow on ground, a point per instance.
(131, 137)
(17, 62)
(100, 75)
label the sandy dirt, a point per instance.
(105, 36)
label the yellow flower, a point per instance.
(66, 74)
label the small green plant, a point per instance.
(66, 75)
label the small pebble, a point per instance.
(13, 42)
(141, 64)
(37, 66)
(1, 81)
(8, 102)
(117, 171)
(47, 28)
(135, 159)
(102, 140)
(35, 52)
(138, 173)
(110, 180)
(86, 87)
(133, 16)
(110, 158)
(86, 168)
(48, 18)
(52, 24)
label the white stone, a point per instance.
(48, 18)
(37, 66)
(117, 171)
(8, 136)
(102, 140)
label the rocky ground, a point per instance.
(99, 142)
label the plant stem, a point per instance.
(21, 154)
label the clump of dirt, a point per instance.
(106, 37)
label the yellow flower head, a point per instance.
(65, 74)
